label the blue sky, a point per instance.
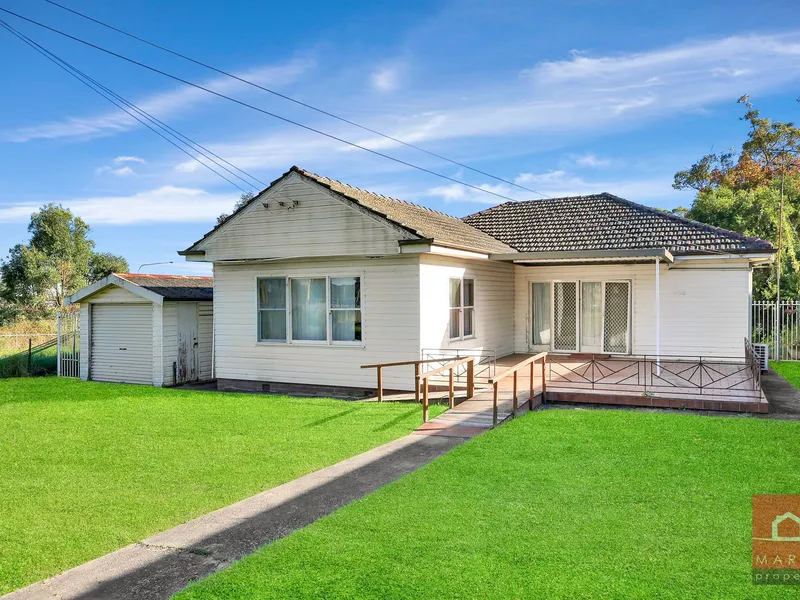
(566, 98)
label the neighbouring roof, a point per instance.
(173, 287)
(440, 228)
(604, 222)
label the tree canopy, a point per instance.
(742, 191)
(58, 259)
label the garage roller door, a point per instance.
(122, 343)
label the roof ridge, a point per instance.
(371, 193)
(126, 275)
(682, 219)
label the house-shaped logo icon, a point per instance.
(776, 537)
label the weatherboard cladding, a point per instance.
(174, 287)
(604, 222)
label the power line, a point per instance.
(256, 108)
(294, 100)
(91, 83)
(290, 121)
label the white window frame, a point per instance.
(460, 309)
(328, 341)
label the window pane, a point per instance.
(346, 292)
(272, 293)
(455, 322)
(455, 293)
(308, 309)
(469, 292)
(346, 325)
(272, 325)
(469, 325)
(541, 313)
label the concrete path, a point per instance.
(783, 397)
(164, 564)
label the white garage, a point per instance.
(146, 329)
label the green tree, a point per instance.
(756, 213)
(243, 199)
(58, 260)
(752, 191)
(103, 264)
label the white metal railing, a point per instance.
(778, 327)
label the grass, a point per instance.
(88, 467)
(789, 370)
(556, 504)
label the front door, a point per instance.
(187, 365)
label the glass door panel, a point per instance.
(616, 327)
(591, 316)
(565, 316)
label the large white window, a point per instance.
(310, 310)
(462, 308)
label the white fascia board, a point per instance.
(115, 280)
(755, 258)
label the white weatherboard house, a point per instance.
(151, 329)
(314, 278)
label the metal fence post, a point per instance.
(58, 344)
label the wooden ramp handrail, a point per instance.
(514, 370)
(470, 362)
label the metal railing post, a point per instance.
(58, 344)
(530, 390)
(544, 380)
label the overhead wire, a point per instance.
(294, 100)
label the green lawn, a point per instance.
(86, 468)
(556, 504)
(789, 370)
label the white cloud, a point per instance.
(127, 159)
(554, 184)
(587, 94)
(120, 172)
(385, 79)
(162, 105)
(590, 160)
(166, 204)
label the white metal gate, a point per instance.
(778, 327)
(68, 353)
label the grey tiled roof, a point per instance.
(604, 222)
(174, 287)
(443, 229)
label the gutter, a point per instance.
(585, 255)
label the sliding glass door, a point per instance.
(581, 316)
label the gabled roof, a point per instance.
(424, 223)
(155, 288)
(604, 222)
(174, 287)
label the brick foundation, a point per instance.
(656, 402)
